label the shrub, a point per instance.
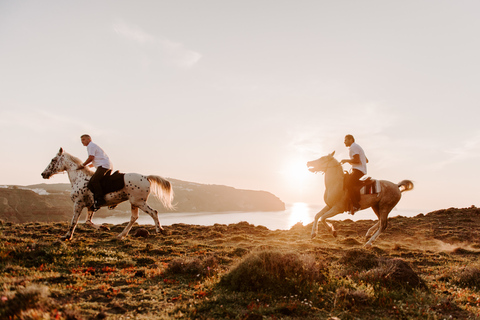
(348, 297)
(468, 277)
(193, 266)
(31, 297)
(359, 260)
(275, 272)
(393, 274)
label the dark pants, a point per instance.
(95, 183)
(354, 186)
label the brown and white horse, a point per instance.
(137, 189)
(337, 201)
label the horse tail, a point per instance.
(162, 189)
(405, 185)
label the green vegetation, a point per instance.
(425, 267)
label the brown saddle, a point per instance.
(366, 186)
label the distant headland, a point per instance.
(51, 202)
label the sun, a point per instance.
(299, 213)
(296, 171)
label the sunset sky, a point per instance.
(244, 93)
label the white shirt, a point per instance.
(356, 149)
(100, 157)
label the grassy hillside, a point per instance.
(425, 267)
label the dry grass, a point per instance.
(421, 268)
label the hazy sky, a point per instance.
(243, 93)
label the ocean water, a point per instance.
(283, 220)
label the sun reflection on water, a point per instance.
(299, 212)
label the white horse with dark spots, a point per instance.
(337, 201)
(136, 189)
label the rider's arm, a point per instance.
(355, 160)
(89, 159)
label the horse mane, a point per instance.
(77, 161)
(73, 158)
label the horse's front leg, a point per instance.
(330, 213)
(315, 222)
(130, 224)
(77, 210)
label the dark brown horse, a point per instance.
(337, 201)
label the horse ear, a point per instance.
(332, 154)
(60, 152)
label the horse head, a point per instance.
(55, 166)
(321, 164)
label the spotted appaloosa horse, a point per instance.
(137, 189)
(336, 199)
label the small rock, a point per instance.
(141, 232)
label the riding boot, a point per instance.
(355, 202)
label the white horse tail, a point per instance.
(405, 185)
(162, 189)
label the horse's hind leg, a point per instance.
(89, 221)
(130, 224)
(382, 214)
(372, 230)
(154, 214)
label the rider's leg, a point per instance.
(96, 186)
(354, 189)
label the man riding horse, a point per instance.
(359, 161)
(103, 165)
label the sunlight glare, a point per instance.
(296, 171)
(299, 213)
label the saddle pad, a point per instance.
(110, 182)
(373, 187)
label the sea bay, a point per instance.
(273, 220)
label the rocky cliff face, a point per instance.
(51, 202)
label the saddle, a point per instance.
(111, 182)
(366, 185)
(370, 186)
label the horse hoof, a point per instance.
(104, 227)
(314, 235)
(368, 245)
(65, 238)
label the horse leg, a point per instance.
(372, 230)
(130, 224)
(89, 221)
(330, 213)
(376, 225)
(383, 225)
(154, 214)
(390, 198)
(77, 210)
(315, 222)
(382, 214)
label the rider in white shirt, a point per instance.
(102, 163)
(359, 161)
